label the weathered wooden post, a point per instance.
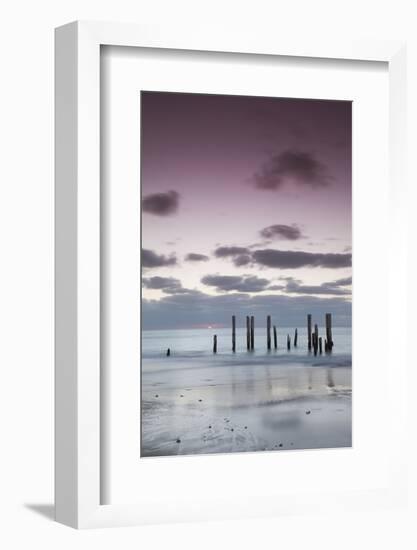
(316, 338)
(275, 338)
(329, 336)
(233, 333)
(268, 332)
(295, 338)
(168, 352)
(247, 333)
(215, 343)
(321, 345)
(309, 330)
(288, 342)
(252, 332)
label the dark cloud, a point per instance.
(162, 283)
(226, 251)
(295, 166)
(193, 257)
(243, 259)
(182, 290)
(344, 282)
(290, 259)
(196, 308)
(231, 282)
(324, 288)
(280, 231)
(335, 288)
(168, 285)
(152, 259)
(283, 259)
(161, 204)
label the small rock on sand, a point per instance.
(308, 412)
(178, 441)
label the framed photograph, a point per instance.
(229, 247)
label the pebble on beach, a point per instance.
(178, 441)
(308, 412)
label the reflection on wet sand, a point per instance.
(247, 408)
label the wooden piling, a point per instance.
(295, 338)
(329, 336)
(321, 345)
(275, 338)
(268, 332)
(316, 338)
(233, 333)
(252, 332)
(288, 342)
(215, 343)
(247, 333)
(168, 352)
(309, 330)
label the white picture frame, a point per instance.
(78, 410)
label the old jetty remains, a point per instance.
(234, 333)
(315, 342)
(247, 332)
(268, 332)
(252, 333)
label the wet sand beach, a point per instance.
(230, 405)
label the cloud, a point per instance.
(193, 257)
(181, 290)
(299, 167)
(335, 288)
(290, 259)
(226, 251)
(282, 259)
(344, 282)
(243, 259)
(168, 285)
(276, 287)
(152, 259)
(197, 308)
(161, 204)
(324, 288)
(231, 282)
(280, 231)
(161, 283)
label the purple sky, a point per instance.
(246, 201)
